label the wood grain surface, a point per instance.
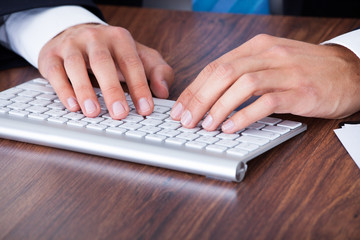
(306, 188)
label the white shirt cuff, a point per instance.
(350, 40)
(28, 31)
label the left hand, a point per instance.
(290, 76)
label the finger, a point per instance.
(53, 70)
(222, 78)
(275, 102)
(132, 68)
(104, 69)
(75, 68)
(248, 85)
(159, 73)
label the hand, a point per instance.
(290, 76)
(113, 56)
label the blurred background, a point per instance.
(320, 8)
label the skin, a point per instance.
(289, 76)
(112, 55)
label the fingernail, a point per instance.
(118, 108)
(176, 111)
(90, 106)
(207, 121)
(144, 105)
(163, 82)
(186, 118)
(228, 126)
(72, 102)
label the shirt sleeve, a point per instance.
(28, 31)
(350, 40)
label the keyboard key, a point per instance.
(255, 140)
(40, 102)
(175, 141)
(227, 136)
(112, 123)
(203, 132)
(37, 88)
(57, 119)
(161, 109)
(21, 99)
(4, 103)
(37, 109)
(157, 116)
(56, 113)
(49, 97)
(28, 93)
(216, 148)
(38, 116)
(58, 105)
(116, 130)
(169, 132)
(155, 138)
(95, 126)
(247, 146)
(4, 110)
(227, 143)
(170, 125)
(208, 139)
(237, 152)
(270, 120)
(133, 119)
(136, 134)
(149, 129)
(18, 106)
(276, 129)
(19, 113)
(131, 126)
(260, 133)
(189, 130)
(256, 125)
(151, 122)
(7, 96)
(289, 124)
(188, 136)
(74, 116)
(77, 123)
(196, 145)
(93, 120)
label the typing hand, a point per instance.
(290, 76)
(112, 55)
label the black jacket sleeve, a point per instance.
(9, 59)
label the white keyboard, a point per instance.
(31, 112)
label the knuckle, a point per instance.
(72, 59)
(91, 33)
(130, 61)
(100, 56)
(271, 101)
(280, 51)
(119, 32)
(111, 90)
(224, 72)
(210, 68)
(249, 81)
(53, 69)
(262, 38)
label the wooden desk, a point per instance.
(306, 188)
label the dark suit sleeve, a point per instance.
(7, 7)
(9, 59)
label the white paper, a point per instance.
(349, 136)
